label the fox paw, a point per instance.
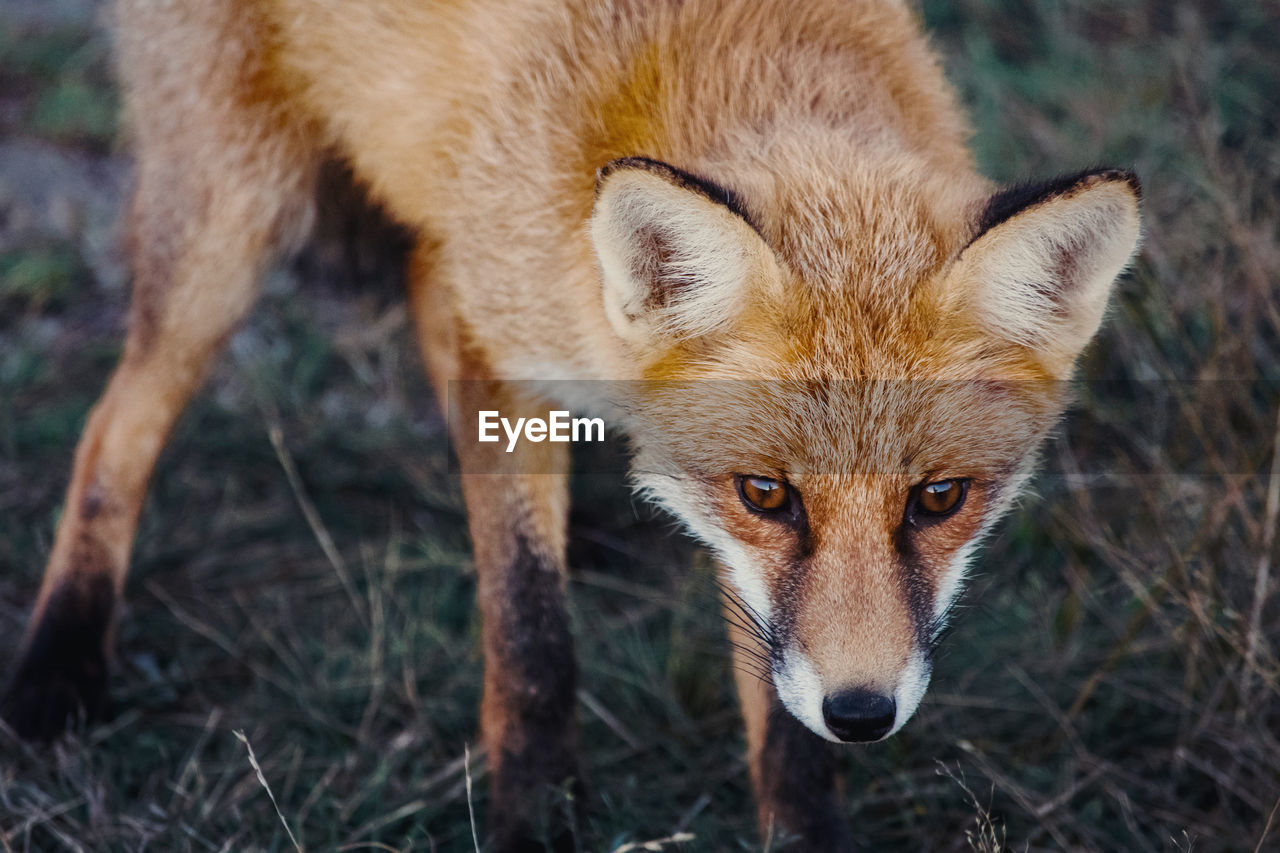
(46, 697)
(61, 676)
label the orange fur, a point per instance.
(759, 222)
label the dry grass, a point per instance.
(1114, 683)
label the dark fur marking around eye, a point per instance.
(794, 516)
(917, 587)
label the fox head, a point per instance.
(843, 393)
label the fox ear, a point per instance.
(1040, 271)
(679, 258)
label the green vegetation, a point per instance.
(57, 82)
(1112, 683)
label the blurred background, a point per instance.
(1111, 684)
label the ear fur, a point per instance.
(1039, 273)
(678, 257)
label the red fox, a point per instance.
(770, 199)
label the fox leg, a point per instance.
(527, 711)
(220, 181)
(517, 518)
(792, 769)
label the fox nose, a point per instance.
(859, 716)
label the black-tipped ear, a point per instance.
(1013, 200)
(677, 254)
(1040, 270)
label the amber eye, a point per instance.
(941, 498)
(763, 494)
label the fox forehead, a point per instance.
(810, 430)
(856, 322)
(856, 227)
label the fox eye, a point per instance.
(939, 499)
(763, 494)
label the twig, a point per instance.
(377, 637)
(189, 765)
(607, 717)
(378, 823)
(655, 844)
(693, 811)
(471, 811)
(276, 434)
(253, 760)
(1263, 575)
(1023, 797)
(1266, 830)
(216, 637)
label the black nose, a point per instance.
(859, 716)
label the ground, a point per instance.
(1111, 684)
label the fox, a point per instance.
(833, 347)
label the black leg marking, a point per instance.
(798, 788)
(62, 674)
(537, 789)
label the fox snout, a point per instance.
(850, 709)
(859, 715)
